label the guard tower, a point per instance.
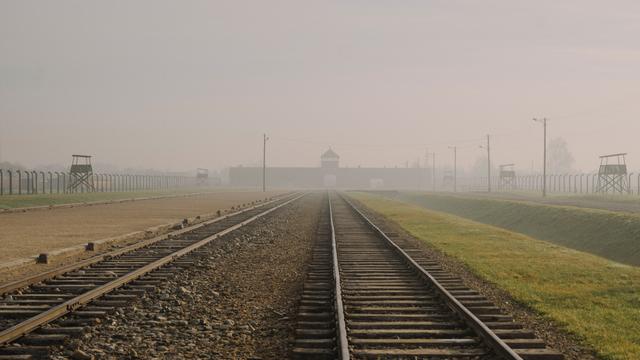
(447, 179)
(81, 173)
(329, 160)
(507, 176)
(202, 176)
(612, 175)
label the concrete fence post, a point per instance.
(10, 181)
(28, 176)
(44, 188)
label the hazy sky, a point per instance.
(185, 84)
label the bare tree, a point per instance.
(560, 159)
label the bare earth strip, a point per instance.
(27, 234)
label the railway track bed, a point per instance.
(48, 312)
(386, 301)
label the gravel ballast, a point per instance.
(237, 302)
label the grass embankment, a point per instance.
(594, 298)
(610, 234)
(19, 201)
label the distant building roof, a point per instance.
(329, 154)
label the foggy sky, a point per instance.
(185, 84)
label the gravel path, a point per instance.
(239, 302)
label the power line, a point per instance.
(381, 145)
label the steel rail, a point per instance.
(30, 280)
(490, 338)
(33, 323)
(341, 325)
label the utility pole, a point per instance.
(544, 156)
(489, 162)
(426, 162)
(264, 162)
(455, 168)
(488, 147)
(434, 171)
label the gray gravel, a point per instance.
(239, 302)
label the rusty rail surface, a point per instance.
(490, 338)
(341, 325)
(400, 303)
(25, 327)
(32, 279)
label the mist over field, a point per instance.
(178, 85)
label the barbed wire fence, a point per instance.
(29, 182)
(576, 183)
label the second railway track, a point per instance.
(46, 310)
(391, 302)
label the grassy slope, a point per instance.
(624, 198)
(610, 234)
(597, 299)
(17, 201)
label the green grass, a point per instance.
(535, 195)
(19, 201)
(609, 234)
(600, 197)
(596, 299)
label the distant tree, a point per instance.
(560, 160)
(8, 165)
(479, 168)
(51, 167)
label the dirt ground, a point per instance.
(30, 233)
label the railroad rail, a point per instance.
(390, 301)
(47, 309)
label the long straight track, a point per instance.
(392, 302)
(316, 328)
(53, 309)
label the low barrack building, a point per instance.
(331, 175)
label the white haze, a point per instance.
(185, 84)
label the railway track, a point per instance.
(387, 300)
(46, 310)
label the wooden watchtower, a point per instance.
(81, 173)
(507, 176)
(202, 176)
(612, 175)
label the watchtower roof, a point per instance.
(329, 154)
(613, 155)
